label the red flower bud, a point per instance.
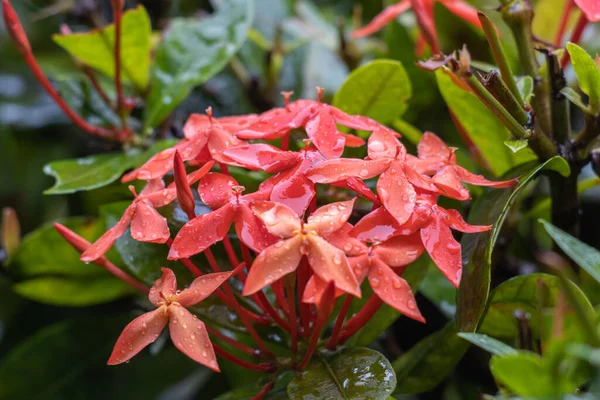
(184, 193)
(14, 27)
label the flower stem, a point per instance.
(332, 343)
(264, 391)
(324, 309)
(293, 329)
(498, 52)
(360, 319)
(263, 367)
(564, 19)
(232, 342)
(305, 310)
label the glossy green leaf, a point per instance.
(588, 74)
(47, 269)
(491, 208)
(357, 373)
(279, 391)
(386, 315)
(587, 257)
(528, 374)
(379, 90)
(96, 171)
(192, 52)
(516, 145)
(430, 361)
(438, 289)
(575, 98)
(487, 343)
(521, 293)
(483, 128)
(525, 86)
(96, 48)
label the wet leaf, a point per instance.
(588, 74)
(96, 48)
(430, 361)
(379, 90)
(528, 374)
(440, 291)
(483, 128)
(490, 208)
(516, 145)
(279, 391)
(47, 269)
(520, 293)
(192, 52)
(488, 343)
(96, 171)
(357, 373)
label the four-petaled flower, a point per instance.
(300, 239)
(188, 333)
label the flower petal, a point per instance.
(449, 184)
(393, 290)
(315, 288)
(294, 190)
(148, 225)
(455, 221)
(323, 130)
(221, 140)
(199, 122)
(271, 125)
(382, 144)
(279, 219)
(478, 180)
(251, 230)
(376, 226)
(400, 250)
(140, 332)
(330, 218)
(464, 11)
(202, 287)
(215, 189)
(432, 147)
(189, 335)
(341, 168)
(262, 156)
(397, 194)
(104, 243)
(444, 250)
(153, 185)
(331, 265)
(202, 232)
(383, 18)
(343, 241)
(353, 140)
(360, 265)
(164, 287)
(273, 263)
(591, 9)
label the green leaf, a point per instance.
(516, 145)
(379, 90)
(488, 343)
(521, 293)
(96, 171)
(386, 315)
(481, 126)
(525, 86)
(587, 257)
(279, 391)
(490, 208)
(357, 373)
(96, 48)
(527, 374)
(575, 98)
(47, 269)
(192, 52)
(430, 361)
(588, 74)
(438, 289)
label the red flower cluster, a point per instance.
(288, 244)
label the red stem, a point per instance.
(277, 288)
(224, 169)
(234, 343)
(264, 303)
(305, 311)
(94, 81)
(233, 258)
(264, 391)
(292, 318)
(332, 343)
(575, 36)
(324, 309)
(564, 19)
(360, 319)
(264, 367)
(285, 142)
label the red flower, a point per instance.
(188, 333)
(147, 225)
(203, 141)
(222, 194)
(425, 18)
(300, 239)
(591, 9)
(433, 222)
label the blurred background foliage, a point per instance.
(33, 132)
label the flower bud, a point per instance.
(11, 230)
(184, 193)
(14, 28)
(79, 243)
